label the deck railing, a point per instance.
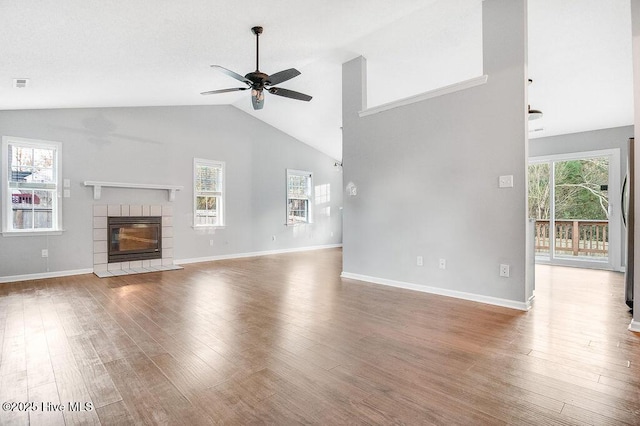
(574, 237)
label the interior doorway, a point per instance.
(575, 201)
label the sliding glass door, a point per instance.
(575, 201)
(540, 207)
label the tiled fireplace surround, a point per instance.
(103, 269)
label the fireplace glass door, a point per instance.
(134, 238)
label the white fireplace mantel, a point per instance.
(97, 187)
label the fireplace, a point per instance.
(131, 238)
(162, 259)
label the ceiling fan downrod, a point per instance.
(257, 31)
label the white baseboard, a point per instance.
(43, 275)
(634, 326)
(521, 306)
(252, 254)
(26, 277)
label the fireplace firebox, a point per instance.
(134, 238)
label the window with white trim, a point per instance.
(31, 182)
(208, 193)
(299, 198)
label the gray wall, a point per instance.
(157, 145)
(427, 175)
(594, 140)
(617, 137)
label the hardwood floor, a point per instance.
(283, 340)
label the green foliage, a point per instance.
(539, 191)
(206, 203)
(578, 192)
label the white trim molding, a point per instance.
(512, 304)
(634, 326)
(253, 254)
(97, 187)
(40, 276)
(452, 88)
(15, 278)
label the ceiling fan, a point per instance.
(258, 81)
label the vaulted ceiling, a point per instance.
(86, 53)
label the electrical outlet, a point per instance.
(420, 261)
(504, 270)
(211, 243)
(442, 264)
(505, 181)
(45, 253)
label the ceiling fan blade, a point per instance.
(213, 92)
(231, 74)
(281, 76)
(257, 99)
(289, 94)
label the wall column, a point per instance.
(635, 28)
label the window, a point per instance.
(298, 197)
(208, 193)
(31, 180)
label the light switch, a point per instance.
(505, 181)
(66, 183)
(66, 193)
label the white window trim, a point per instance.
(221, 212)
(294, 172)
(57, 209)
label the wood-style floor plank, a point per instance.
(48, 412)
(143, 406)
(14, 389)
(115, 414)
(283, 339)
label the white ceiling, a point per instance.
(88, 53)
(580, 61)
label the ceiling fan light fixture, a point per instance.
(258, 81)
(258, 94)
